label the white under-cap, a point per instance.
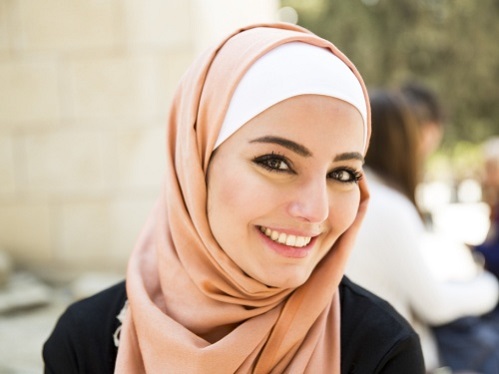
(289, 70)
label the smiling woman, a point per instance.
(240, 267)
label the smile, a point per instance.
(282, 238)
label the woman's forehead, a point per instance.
(318, 121)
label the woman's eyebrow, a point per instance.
(349, 156)
(304, 151)
(289, 144)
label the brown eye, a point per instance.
(277, 164)
(273, 162)
(345, 175)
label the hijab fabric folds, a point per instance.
(180, 283)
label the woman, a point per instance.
(489, 249)
(394, 256)
(239, 268)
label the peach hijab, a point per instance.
(180, 283)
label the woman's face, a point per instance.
(283, 188)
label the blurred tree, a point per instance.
(451, 45)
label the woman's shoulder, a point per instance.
(96, 315)
(356, 301)
(374, 337)
(83, 338)
(107, 300)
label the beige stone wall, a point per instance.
(84, 93)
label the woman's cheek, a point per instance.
(241, 194)
(344, 210)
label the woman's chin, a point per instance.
(285, 280)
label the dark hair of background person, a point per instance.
(393, 152)
(425, 103)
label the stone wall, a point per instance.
(84, 93)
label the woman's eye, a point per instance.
(273, 162)
(345, 175)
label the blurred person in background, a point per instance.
(393, 252)
(431, 119)
(489, 249)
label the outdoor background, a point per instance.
(84, 94)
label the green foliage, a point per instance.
(450, 45)
(460, 161)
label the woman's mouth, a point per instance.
(286, 239)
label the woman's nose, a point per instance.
(310, 201)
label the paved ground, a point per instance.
(22, 335)
(23, 332)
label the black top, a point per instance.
(374, 337)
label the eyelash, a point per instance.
(354, 175)
(264, 161)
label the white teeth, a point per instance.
(301, 241)
(273, 235)
(282, 238)
(290, 240)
